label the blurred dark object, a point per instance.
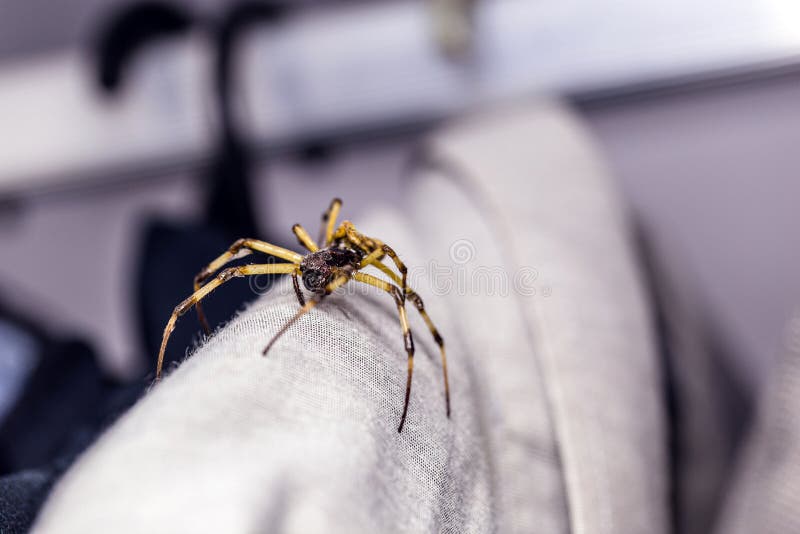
(708, 409)
(65, 400)
(60, 395)
(53, 411)
(764, 494)
(228, 198)
(58, 406)
(21, 496)
(132, 29)
(171, 256)
(173, 252)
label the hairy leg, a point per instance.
(297, 291)
(235, 251)
(221, 278)
(420, 306)
(374, 248)
(304, 239)
(329, 223)
(408, 340)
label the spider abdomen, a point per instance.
(321, 267)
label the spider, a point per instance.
(342, 254)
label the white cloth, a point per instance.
(557, 422)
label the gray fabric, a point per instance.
(303, 441)
(709, 407)
(498, 347)
(557, 424)
(765, 496)
(592, 336)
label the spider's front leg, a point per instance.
(203, 292)
(297, 291)
(234, 251)
(307, 306)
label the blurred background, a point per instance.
(138, 139)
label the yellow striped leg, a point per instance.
(420, 306)
(303, 238)
(400, 267)
(417, 301)
(221, 278)
(329, 223)
(348, 233)
(375, 249)
(408, 340)
(240, 245)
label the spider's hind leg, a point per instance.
(420, 306)
(417, 301)
(408, 340)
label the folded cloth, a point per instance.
(515, 239)
(765, 494)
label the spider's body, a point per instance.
(320, 268)
(340, 257)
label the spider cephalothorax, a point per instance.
(320, 268)
(344, 254)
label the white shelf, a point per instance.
(357, 65)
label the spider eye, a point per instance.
(313, 280)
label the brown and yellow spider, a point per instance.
(343, 254)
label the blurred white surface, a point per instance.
(56, 125)
(352, 67)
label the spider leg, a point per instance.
(330, 288)
(375, 249)
(373, 258)
(240, 245)
(417, 301)
(400, 267)
(408, 340)
(420, 306)
(348, 232)
(304, 239)
(329, 223)
(297, 291)
(221, 278)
